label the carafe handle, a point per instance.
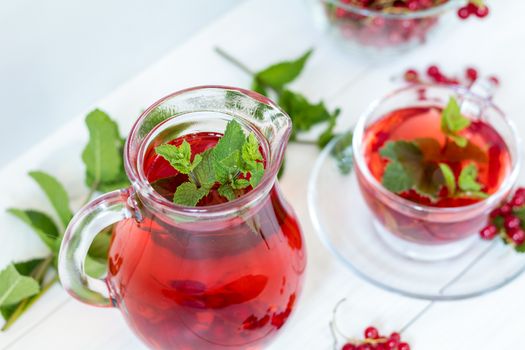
(82, 230)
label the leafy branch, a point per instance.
(23, 283)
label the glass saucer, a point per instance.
(346, 227)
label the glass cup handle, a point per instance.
(85, 225)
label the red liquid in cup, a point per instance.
(230, 284)
(491, 158)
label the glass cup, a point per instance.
(376, 31)
(224, 276)
(424, 232)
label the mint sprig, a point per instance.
(235, 154)
(452, 122)
(273, 82)
(23, 283)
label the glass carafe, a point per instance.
(224, 276)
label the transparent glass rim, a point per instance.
(492, 200)
(139, 180)
(451, 4)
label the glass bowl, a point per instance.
(375, 31)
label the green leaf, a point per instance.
(189, 195)
(468, 179)
(280, 74)
(26, 268)
(42, 224)
(100, 246)
(95, 267)
(56, 194)
(258, 87)
(450, 179)
(452, 122)
(250, 152)
(328, 134)
(257, 174)
(15, 287)
(179, 157)
(520, 213)
(342, 152)
(239, 184)
(303, 113)
(396, 178)
(227, 152)
(103, 153)
(402, 151)
(204, 170)
(227, 191)
(232, 140)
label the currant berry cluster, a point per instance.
(433, 74)
(480, 11)
(375, 341)
(508, 221)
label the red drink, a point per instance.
(227, 284)
(486, 149)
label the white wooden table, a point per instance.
(261, 32)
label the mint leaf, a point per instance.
(450, 179)
(15, 287)
(189, 195)
(227, 191)
(396, 178)
(280, 74)
(468, 179)
(402, 151)
(56, 194)
(452, 122)
(42, 224)
(227, 152)
(103, 153)
(304, 114)
(256, 175)
(204, 172)
(239, 184)
(342, 152)
(95, 267)
(232, 140)
(179, 157)
(250, 152)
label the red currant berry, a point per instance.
(489, 232)
(517, 201)
(463, 13)
(371, 333)
(411, 76)
(349, 346)
(403, 346)
(505, 209)
(433, 71)
(520, 192)
(365, 347)
(511, 222)
(517, 236)
(471, 73)
(494, 80)
(395, 336)
(495, 213)
(391, 344)
(482, 11)
(380, 346)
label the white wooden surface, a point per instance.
(261, 32)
